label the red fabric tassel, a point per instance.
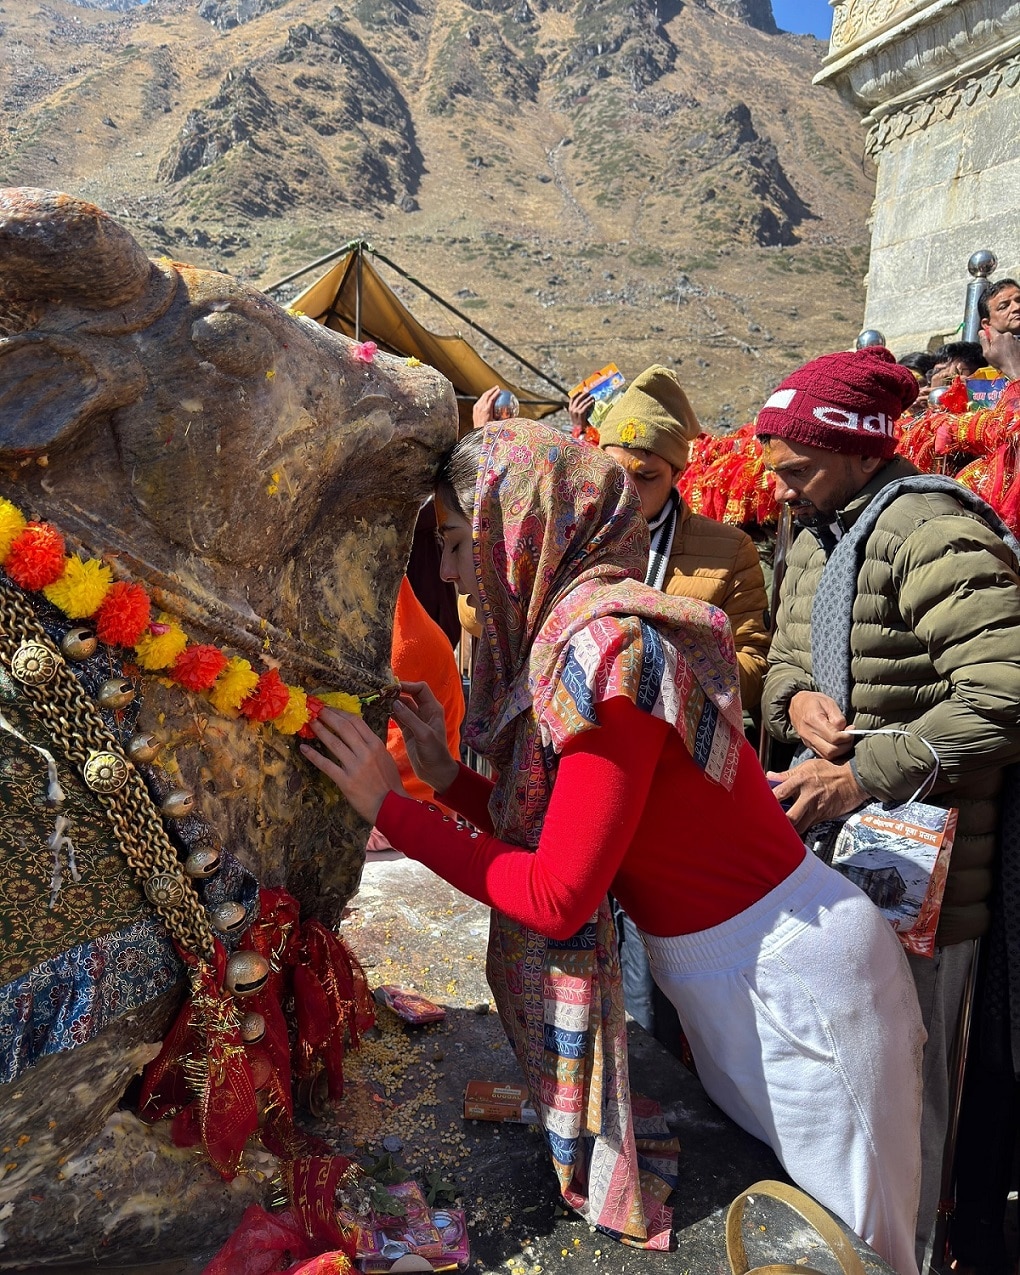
(333, 1005)
(263, 1244)
(312, 1183)
(331, 1000)
(225, 1113)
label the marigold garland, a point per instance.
(34, 556)
(233, 686)
(198, 667)
(124, 615)
(81, 589)
(295, 715)
(160, 646)
(268, 700)
(340, 699)
(12, 524)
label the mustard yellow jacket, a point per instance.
(717, 563)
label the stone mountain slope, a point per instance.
(591, 180)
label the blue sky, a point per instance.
(804, 17)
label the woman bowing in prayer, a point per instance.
(606, 708)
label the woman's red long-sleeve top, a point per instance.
(630, 812)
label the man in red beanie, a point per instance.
(900, 614)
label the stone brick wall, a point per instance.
(937, 86)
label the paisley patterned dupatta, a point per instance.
(560, 551)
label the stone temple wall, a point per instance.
(938, 85)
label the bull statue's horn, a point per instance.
(67, 252)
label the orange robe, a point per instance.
(421, 652)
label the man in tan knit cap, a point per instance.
(649, 430)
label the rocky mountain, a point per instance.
(591, 180)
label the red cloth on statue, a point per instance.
(630, 811)
(421, 652)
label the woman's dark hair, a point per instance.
(918, 361)
(967, 352)
(458, 474)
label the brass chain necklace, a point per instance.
(77, 729)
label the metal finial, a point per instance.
(982, 263)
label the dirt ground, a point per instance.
(406, 1085)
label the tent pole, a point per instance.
(357, 291)
(331, 311)
(470, 322)
(312, 265)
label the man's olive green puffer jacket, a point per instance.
(935, 647)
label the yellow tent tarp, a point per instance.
(333, 299)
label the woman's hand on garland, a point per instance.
(355, 760)
(423, 725)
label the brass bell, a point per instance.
(229, 917)
(143, 747)
(178, 804)
(253, 1028)
(247, 973)
(79, 643)
(202, 863)
(118, 692)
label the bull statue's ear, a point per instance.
(52, 386)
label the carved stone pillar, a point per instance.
(935, 81)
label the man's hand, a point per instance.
(579, 409)
(819, 791)
(1002, 350)
(819, 723)
(484, 409)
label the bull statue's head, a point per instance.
(247, 466)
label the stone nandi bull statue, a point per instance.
(259, 476)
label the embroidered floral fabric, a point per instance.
(67, 1000)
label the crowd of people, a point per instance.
(627, 837)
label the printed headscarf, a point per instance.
(560, 550)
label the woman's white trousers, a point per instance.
(804, 1023)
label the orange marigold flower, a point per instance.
(198, 667)
(268, 699)
(315, 707)
(124, 615)
(36, 556)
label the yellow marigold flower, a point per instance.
(159, 650)
(340, 699)
(295, 714)
(233, 686)
(12, 523)
(81, 589)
